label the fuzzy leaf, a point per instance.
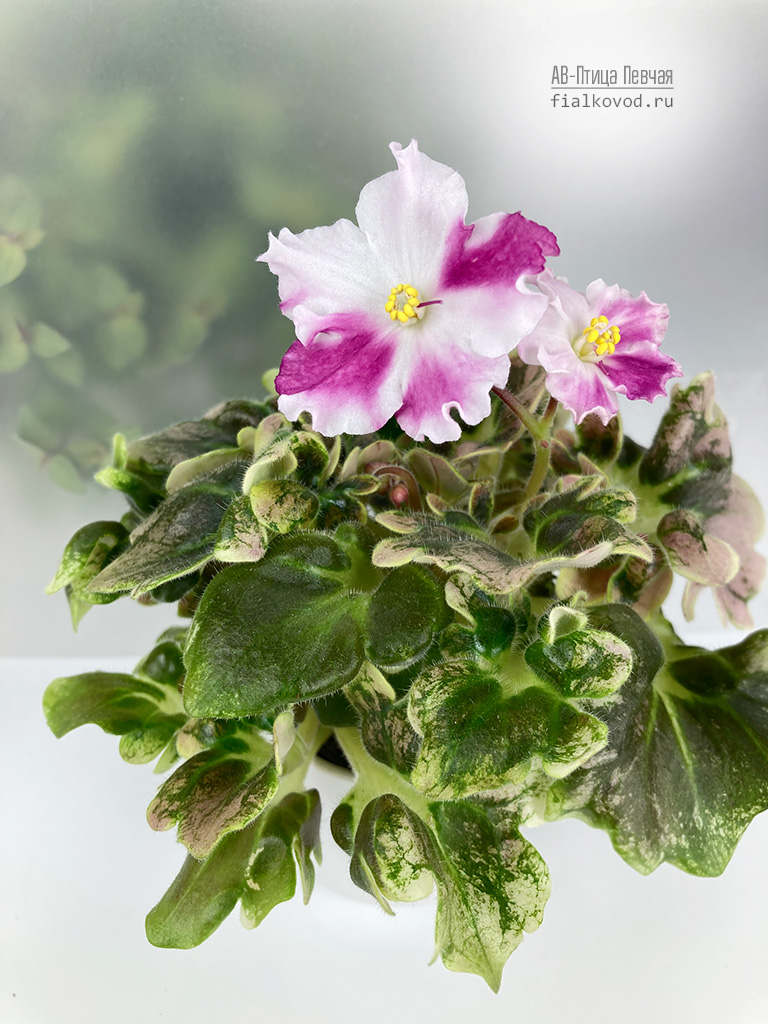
(492, 884)
(583, 516)
(286, 837)
(694, 553)
(275, 632)
(477, 736)
(690, 458)
(144, 708)
(202, 895)
(240, 537)
(686, 765)
(387, 734)
(427, 539)
(217, 791)
(176, 539)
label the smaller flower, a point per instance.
(595, 344)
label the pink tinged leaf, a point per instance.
(639, 370)
(342, 378)
(637, 318)
(694, 553)
(445, 379)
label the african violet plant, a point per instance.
(457, 596)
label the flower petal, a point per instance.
(637, 318)
(407, 213)
(549, 344)
(496, 250)
(325, 270)
(344, 378)
(573, 304)
(583, 389)
(444, 378)
(639, 370)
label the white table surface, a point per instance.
(80, 869)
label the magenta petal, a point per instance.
(342, 378)
(640, 370)
(445, 379)
(583, 389)
(637, 318)
(495, 250)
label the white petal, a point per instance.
(408, 213)
(325, 270)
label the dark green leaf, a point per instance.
(686, 765)
(279, 631)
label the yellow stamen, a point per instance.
(603, 336)
(403, 303)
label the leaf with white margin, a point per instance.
(694, 553)
(144, 709)
(492, 885)
(429, 540)
(177, 538)
(240, 537)
(685, 768)
(584, 515)
(256, 865)
(217, 791)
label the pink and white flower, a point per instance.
(596, 344)
(411, 312)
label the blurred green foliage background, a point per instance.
(146, 150)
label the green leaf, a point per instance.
(481, 730)
(14, 351)
(686, 765)
(87, 553)
(282, 630)
(202, 895)
(689, 461)
(241, 538)
(492, 887)
(217, 791)
(281, 506)
(385, 729)
(585, 515)
(425, 538)
(13, 260)
(287, 835)
(47, 343)
(404, 615)
(159, 453)
(256, 865)
(122, 340)
(144, 711)
(177, 538)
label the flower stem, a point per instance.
(540, 430)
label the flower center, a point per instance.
(403, 304)
(597, 340)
